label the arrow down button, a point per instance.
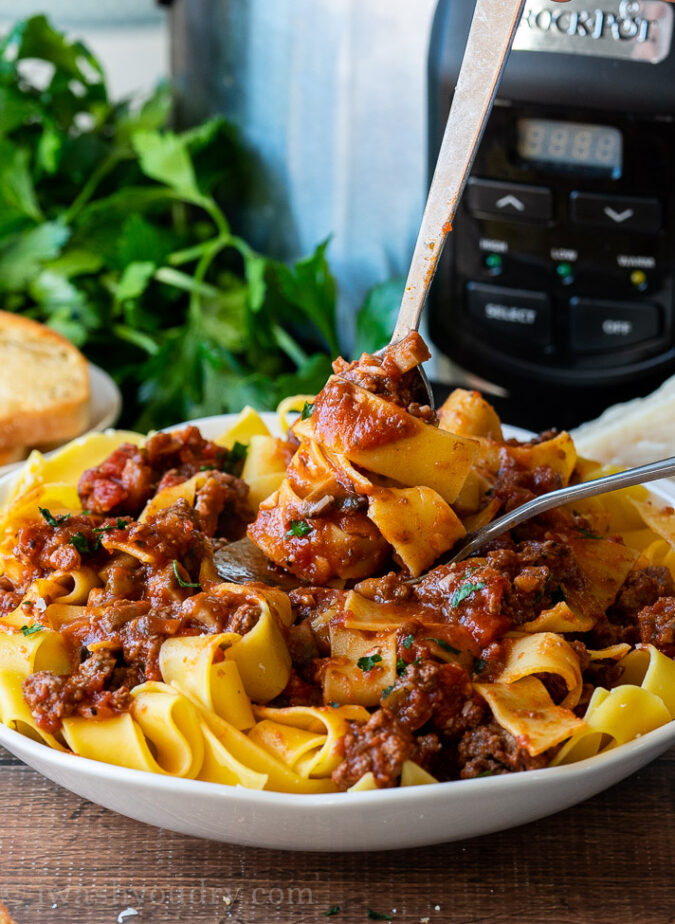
(596, 210)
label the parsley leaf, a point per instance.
(180, 579)
(387, 690)
(401, 666)
(408, 640)
(478, 665)
(31, 630)
(443, 645)
(120, 524)
(486, 773)
(236, 456)
(51, 519)
(81, 543)
(307, 410)
(298, 528)
(376, 916)
(367, 662)
(335, 909)
(588, 534)
(464, 591)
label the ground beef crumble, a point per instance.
(86, 692)
(381, 747)
(490, 750)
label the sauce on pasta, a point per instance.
(118, 640)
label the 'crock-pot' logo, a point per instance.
(635, 29)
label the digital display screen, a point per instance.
(571, 145)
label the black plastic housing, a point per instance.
(559, 378)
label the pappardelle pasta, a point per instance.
(119, 642)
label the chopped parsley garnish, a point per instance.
(119, 524)
(335, 908)
(588, 534)
(81, 543)
(307, 410)
(51, 519)
(30, 630)
(558, 595)
(236, 455)
(464, 591)
(387, 690)
(408, 640)
(443, 645)
(180, 579)
(376, 916)
(478, 665)
(298, 528)
(486, 773)
(205, 468)
(368, 662)
(401, 666)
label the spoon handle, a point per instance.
(627, 479)
(492, 30)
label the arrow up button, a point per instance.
(509, 201)
(617, 212)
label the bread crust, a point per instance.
(44, 385)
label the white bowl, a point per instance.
(379, 820)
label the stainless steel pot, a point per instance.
(331, 97)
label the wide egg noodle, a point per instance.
(417, 522)
(644, 700)
(14, 712)
(347, 679)
(560, 618)
(248, 423)
(39, 650)
(189, 664)
(237, 746)
(525, 709)
(653, 671)
(264, 467)
(172, 725)
(427, 456)
(543, 652)
(307, 738)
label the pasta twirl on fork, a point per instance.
(119, 642)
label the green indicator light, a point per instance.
(493, 261)
(564, 269)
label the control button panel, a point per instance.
(510, 201)
(616, 212)
(522, 315)
(597, 325)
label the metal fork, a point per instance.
(632, 476)
(493, 28)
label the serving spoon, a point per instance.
(491, 35)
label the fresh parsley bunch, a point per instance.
(113, 231)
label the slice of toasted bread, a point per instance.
(44, 385)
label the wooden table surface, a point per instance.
(607, 861)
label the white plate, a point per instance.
(380, 820)
(105, 404)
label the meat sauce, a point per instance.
(155, 580)
(343, 417)
(142, 601)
